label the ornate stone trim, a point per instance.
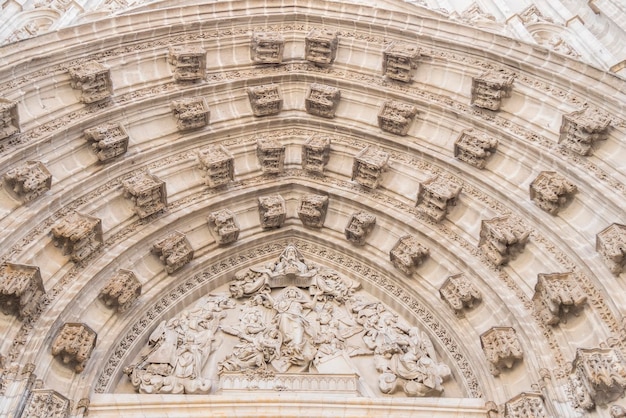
(322, 100)
(526, 405)
(396, 117)
(46, 403)
(408, 253)
(502, 238)
(316, 153)
(312, 210)
(369, 165)
(272, 211)
(490, 87)
(78, 235)
(360, 225)
(598, 377)
(580, 130)
(474, 147)
(147, 192)
(460, 294)
(271, 155)
(435, 196)
(556, 295)
(611, 244)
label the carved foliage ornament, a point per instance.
(322, 100)
(21, 289)
(147, 192)
(78, 235)
(28, 181)
(502, 348)
(435, 196)
(556, 295)
(475, 147)
(611, 244)
(580, 130)
(189, 62)
(109, 140)
(267, 47)
(316, 153)
(73, 345)
(321, 46)
(369, 165)
(265, 100)
(408, 253)
(9, 118)
(396, 117)
(399, 59)
(460, 293)
(174, 250)
(490, 87)
(191, 113)
(217, 164)
(121, 290)
(501, 239)
(598, 377)
(223, 226)
(550, 191)
(93, 80)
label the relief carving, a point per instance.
(9, 118)
(189, 62)
(475, 147)
(551, 191)
(191, 113)
(369, 165)
(109, 140)
(121, 290)
(407, 254)
(174, 250)
(93, 80)
(73, 345)
(526, 405)
(580, 130)
(502, 348)
(217, 164)
(223, 226)
(267, 47)
(321, 46)
(399, 59)
(78, 235)
(611, 244)
(501, 239)
(147, 192)
(322, 100)
(265, 100)
(316, 153)
(28, 181)
(435, 196)
(396, 117)
(490, 87)
(21, 289)
(598, 377)
(46, 403)
(272, 211)
(460, 294)
(360, 225)
(312, 210)
(271, 155)
(556, 295)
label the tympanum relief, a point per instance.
(287, 325)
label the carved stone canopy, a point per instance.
(78, 235)
(188, 62)
(73, 345)
(267, 47)
(265, 100)
(121, 290)
(321, 46)
(580, 130)
(28, 181)
(108, 140)
(9, 118)
(93, 80)
(611, 244)
(316, 153)
(556, 295)
(502, 348)
(218, 165)
(399, 59)
(598, 377)
(191, 113)
(551, 191)
(174, 250)
(21, 289)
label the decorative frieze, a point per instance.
(321, 46)
(475, 147)
(265, 100)
(490, 87)
(502, 348)
(360, 225)
(322, 100)
(611, 244)
(267, 47)
(399, 60)
(217, 164)
(312, 210)
(28, 181)
(174, 250)
(191, 113)
(189, 62)
(109, 140)
(435, 196)
(78, 235)
(550, 191)
(407, 254)
(369, 165)
(73, 345)
(460, 294)
(46, 403)
(272, 211)
(502, 238)
(147, 192)
(121, 290)
(580, 130)
(271, 155)
(526, 405)
(93, 80)
(556, 295)
(21, 289)
(9, 118)
(598, 377)
(396, 117)
(316, 153)
(223, 226)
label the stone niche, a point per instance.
(223, 226)
(611, 244)
(399, 60)
(598, 377)
(526, 405)
(460, 294)
(21, 289)
(73, 345)
(490, 87)
(78, 235)
(312, 210)
(267, 47)
(321, 46)
(502, 238)
(108, 140)
(28, 181)
(189, 62)
(272, 211)
(396, 117)
(217, 164)
(322, 100)
(191, 113)
(46, 403)
(147, 192)
(93, 80)
(435, 196)
(9, 118)
(550, 191)
(580, 130)
(174, 250)
(271, 155)
(265, 100)
(369, 165)
(316, 153)
(475, 147)
(360, 225)
(121, 290)
(502, 348)
(557, 295)
(408, 253)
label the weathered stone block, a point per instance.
(312, 210)
(360, 225)
(475, 147)
(396, 117)
(9, 118)
(321, 46)
(93, 80)
(550, 191)
(217, 164)
(28, 181)
(272, 211)
(502, 348)
(191, 113)
(407, 254)
(271, 155)
(147, 192)
(21, 289)
(322, 100)
(121, 290)
(109, 140)
(78, 235)
(174, 250)
(369, 165)
(611, 244)
(460, 294)
(74, 344)
(556, 295)
(435, 196)
(223, 226)
(502, 238)
(399, 59)
(316, 153)
(189, 62)
(267, 47)
(489, 88)
(580, 130)
(265, 100)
